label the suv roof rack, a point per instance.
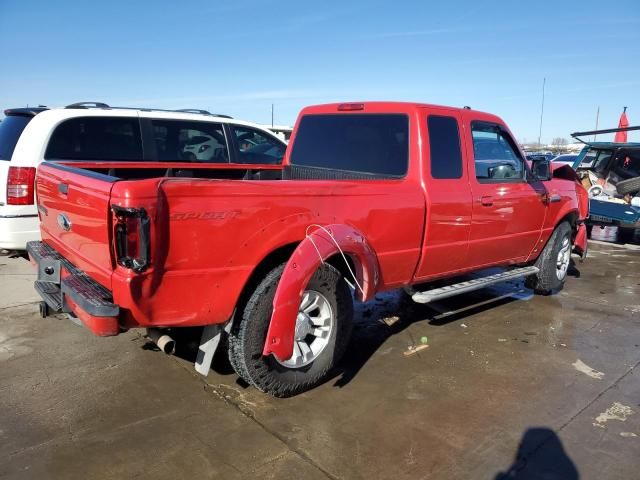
(88, 105)
(146, 109)
(193, 110)
(201, 112)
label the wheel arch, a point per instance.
(270, 261)
(330, 244)
(572, 218)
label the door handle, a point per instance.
(486, 200)
(551, 198)
(63, 188)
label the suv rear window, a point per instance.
(367, 143)
(178, 140)
(257, 147)
(96, 138)
(10, 130)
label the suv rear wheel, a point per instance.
(553, 262)
(323, 327)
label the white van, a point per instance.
(95, 131)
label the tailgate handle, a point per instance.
(63, 188)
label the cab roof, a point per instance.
(393, 107)
(379, 106)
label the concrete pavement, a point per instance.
(511, 386)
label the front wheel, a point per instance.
(553, 262)
(322, 331)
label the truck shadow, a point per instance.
(388, 314)
(392, 312)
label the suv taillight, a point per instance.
(20, 185)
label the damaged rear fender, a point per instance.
(321, 243)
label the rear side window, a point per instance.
(96, 138)
(10, 129)
(444, 147)
(192, 141)
(367, 143)
(255, 146)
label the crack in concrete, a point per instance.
(522, 463)
(597, 397)
(19, 305)
(251, 416)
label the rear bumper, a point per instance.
(66, 289)
(17, 230)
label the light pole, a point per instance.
(544, 81)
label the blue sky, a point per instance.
(239, 57)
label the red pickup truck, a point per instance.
(370, 197)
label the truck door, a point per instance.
(508, 212)
(447, 193)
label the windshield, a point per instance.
(10, 129)
(596, 158)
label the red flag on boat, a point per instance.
(621, 137)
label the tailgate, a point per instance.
(73, 205)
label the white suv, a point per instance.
(95, 131)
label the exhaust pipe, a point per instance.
(162, 340)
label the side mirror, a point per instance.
(541, 170)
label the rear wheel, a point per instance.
(322, 331)
(553, 262)
(626, 235)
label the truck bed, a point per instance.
(212, 224)
(144, 170)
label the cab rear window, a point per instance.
(367, 143)
(10, 130)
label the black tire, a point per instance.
(249, 332)
(546, 280)
(626, 235)
(631, 185)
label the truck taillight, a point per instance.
(20, 185)
(131, 237)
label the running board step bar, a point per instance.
(471, 285)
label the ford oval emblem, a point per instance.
(64, 222)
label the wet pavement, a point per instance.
(511, 386)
